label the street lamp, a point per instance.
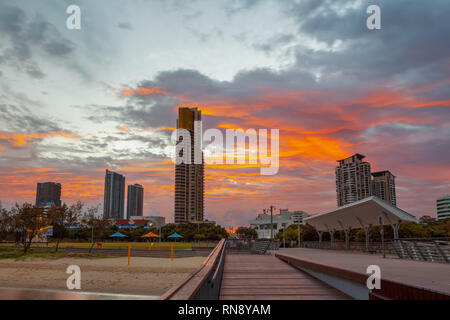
(271, 222)
(159, 228)
(297, 220)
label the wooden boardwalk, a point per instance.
(260, 277)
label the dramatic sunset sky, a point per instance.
(75, 102)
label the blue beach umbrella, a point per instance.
(117, 235)
(175, 236)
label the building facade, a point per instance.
(443, 207)
(48, 193)
(135, 200)
(114, 196)
(189, 177)
(282, 220)
(353, 180)
(383, 186)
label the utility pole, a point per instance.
(298, 225)
(265, 212)
(271, 222)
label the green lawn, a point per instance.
(138, 245)
(15, 253)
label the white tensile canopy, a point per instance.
(364, 214)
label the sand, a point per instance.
(144, 276)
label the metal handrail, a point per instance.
(220, 265)
(198, 284)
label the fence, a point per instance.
(135, 252)
(433, 250)
(375, 247)
(203, 284)
(425, 249)
(247, 246)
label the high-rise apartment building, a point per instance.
(353, 181)
(383, 186)
(114, 196)
(443, 207)
(135, 201)
(48, 193)
(189, 177)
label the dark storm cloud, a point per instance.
(412, 36)
(275, 42)
(21, 119)
(26, 36)
(237, 6)
(125, 25)
(143, 113)
(34, 71)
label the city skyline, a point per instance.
(74, 102)
(189, 175)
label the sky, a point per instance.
(75, 102)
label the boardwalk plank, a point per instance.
(264, 277)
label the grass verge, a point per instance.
(17, 253)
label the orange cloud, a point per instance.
(124, 128)
(143, 91)
(19, 139)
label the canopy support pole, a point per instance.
(381, 220)
(347, 234)
(331, 239)
(320, 233)
(395, 226)
(367, 232)
(347, 238)
(331, 232)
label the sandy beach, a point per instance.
(144, 276)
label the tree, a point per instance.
(6, 224)
(427, 220)
(97, 226)
(28, 221)
(309, 233)
(63, 217)
(246, 233)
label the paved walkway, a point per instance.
(429, 275)
(257, 277)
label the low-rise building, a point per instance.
(282, 220)
(443, 207)
(141, 221)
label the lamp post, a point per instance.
(381, 220)
(271, 222)
(159, 228)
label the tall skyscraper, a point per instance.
(353, 181)
(189, 178)
(383, 186)
(135, 201)
(443, 207)
(114, 196)
(48, 193)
